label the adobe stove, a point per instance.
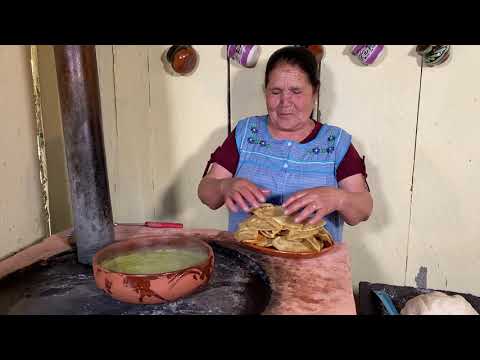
(64, 284)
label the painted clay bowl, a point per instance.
(153, 288)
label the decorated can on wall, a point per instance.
(434, 54)
(367, 54)
(245, 55)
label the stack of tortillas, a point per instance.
(269, 227)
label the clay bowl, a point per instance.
(152, 288)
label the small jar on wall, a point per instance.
(183, 59)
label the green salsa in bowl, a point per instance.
(153, 269)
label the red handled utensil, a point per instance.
(155, 224)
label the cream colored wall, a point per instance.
(154, 173)
(444, 235)
(22, 221)
(378, 106)
(160, 130)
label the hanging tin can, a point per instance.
(433, 54)
(245, 55)
(367, 54)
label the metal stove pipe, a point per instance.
(84, 148)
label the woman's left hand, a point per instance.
(318, 202)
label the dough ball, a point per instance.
(438, 303)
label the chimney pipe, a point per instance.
(84, 148)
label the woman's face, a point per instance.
(290, 97)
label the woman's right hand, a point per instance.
(239, 193)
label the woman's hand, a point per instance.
(318, 202)
(352, 200)
(241, 193)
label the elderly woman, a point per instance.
(287, 158)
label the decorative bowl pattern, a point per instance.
(152, 288)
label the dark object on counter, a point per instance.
(387, 302)
(182, 58)
(369, 304)
(84, 147)
(62, 286)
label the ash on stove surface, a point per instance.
(62, 286)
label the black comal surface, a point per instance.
(62, 286)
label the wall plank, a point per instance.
(59, 193)
(133, 132)
(444, 236)
(21, 215)
(160, 129)
(378, 106)
(106, 76)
